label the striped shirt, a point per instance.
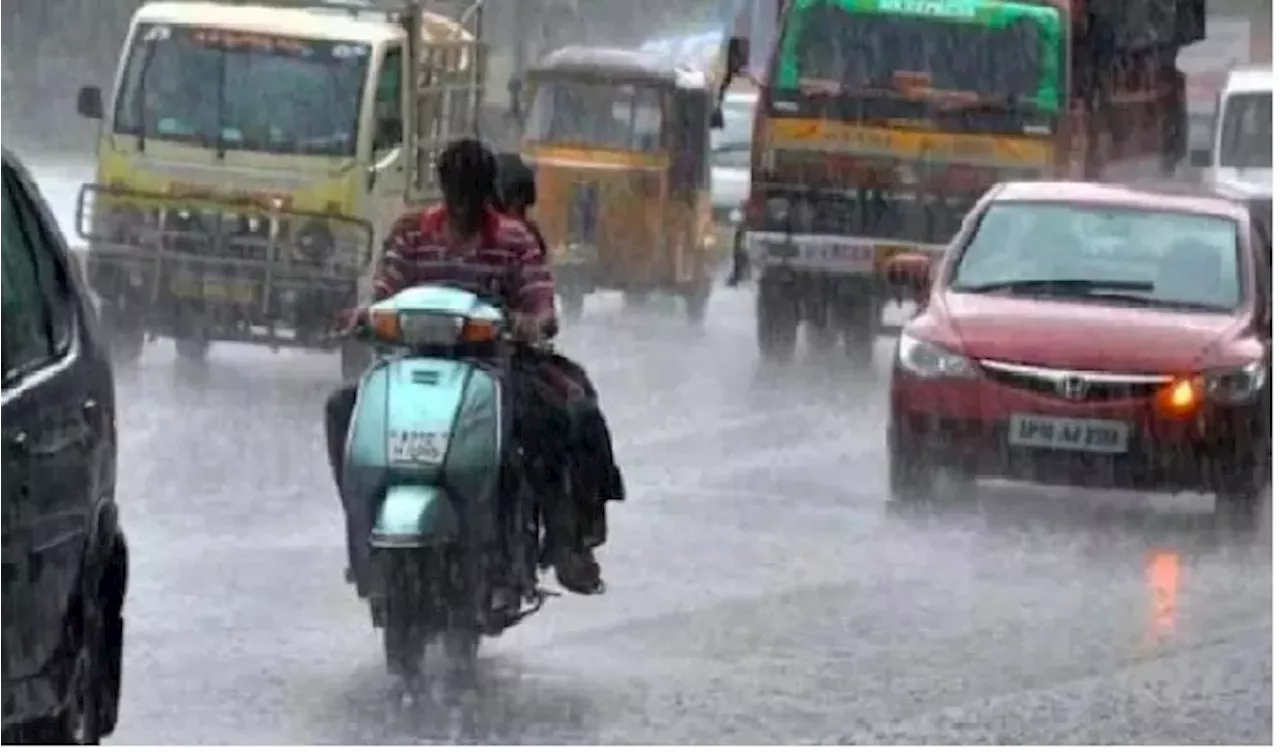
(504, 260)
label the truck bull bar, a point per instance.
(279, 247)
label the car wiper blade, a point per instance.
(1071, 286)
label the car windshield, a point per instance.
(1246, 131)
(1154, 258)
(589, 114)
(230, 90)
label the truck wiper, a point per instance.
(140, 103)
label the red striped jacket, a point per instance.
(505, 261)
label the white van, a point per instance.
(1241, 153)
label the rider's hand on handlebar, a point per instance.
(347, 320)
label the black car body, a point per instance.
(64, 553)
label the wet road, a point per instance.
(758, 591)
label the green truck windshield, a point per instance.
(1006, 51)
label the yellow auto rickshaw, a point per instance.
(619, 141)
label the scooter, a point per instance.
(440, 520)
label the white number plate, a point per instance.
(1103, 436)
(415, 447)
(843, 255)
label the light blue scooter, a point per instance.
(432, 483)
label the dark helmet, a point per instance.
(467, 172)
(516, 185)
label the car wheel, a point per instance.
(913, 479)
(1239, 501)
(80, 722)
(777, 322)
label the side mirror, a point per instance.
(89, 103)
(910, 271)
(737, 56)
(717, 118)
(1200, 158)
(515, 88)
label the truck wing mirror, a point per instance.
(89, 103)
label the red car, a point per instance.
(1090, 335)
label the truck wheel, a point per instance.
(859, 323)
(696, 300)
(123, 333)
(193, 349)
(820, 329)
(777, 321)
(635, 299)
(572, 302)
(461, 649)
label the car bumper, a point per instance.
(966, 425)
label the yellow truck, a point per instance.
(252, 156)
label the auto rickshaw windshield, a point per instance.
(600, 115)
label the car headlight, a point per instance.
(929, 360)
(1237, 385)
(735, 215)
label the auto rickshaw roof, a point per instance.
(620, 65)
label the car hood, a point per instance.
(729, 187)
(1073, 335)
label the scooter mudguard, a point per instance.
(415, 516)
(422, 424)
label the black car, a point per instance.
(64, 553)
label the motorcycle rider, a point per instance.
(466, 242)
(597, 475)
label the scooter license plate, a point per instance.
(414, 447)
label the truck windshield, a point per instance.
(1006, 52)
(1246, 131)
(231, 90)
(590, 114)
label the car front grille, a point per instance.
(1074, 385)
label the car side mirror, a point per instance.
(89, 103)
(1200, 158)
(910, 272)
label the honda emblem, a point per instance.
(1072, 387)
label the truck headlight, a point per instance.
(929, 360)
(1236, 385)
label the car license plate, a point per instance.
(1103, 436)
(416, 447)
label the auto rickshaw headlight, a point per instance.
(777, 210)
